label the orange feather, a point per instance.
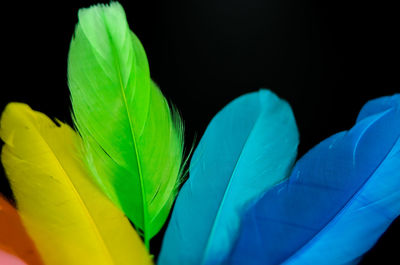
(13, 237)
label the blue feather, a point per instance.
(341, 196)
(248, 147)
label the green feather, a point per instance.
(133, 142)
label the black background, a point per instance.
(325, 59)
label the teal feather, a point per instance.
(248, 147)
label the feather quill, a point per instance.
(132, 141)
(339, 199)
(249, 146)
(70, 220)
(14, 238)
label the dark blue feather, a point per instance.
(339, 199)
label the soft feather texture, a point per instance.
(132, 142)
(248, 146)
(13, 236)
(70, 220)
(8, 259)
(339, 199)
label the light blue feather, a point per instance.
(341, 196)
(248, 147)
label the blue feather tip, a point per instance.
(339, 199)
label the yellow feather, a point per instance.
(69, 219)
